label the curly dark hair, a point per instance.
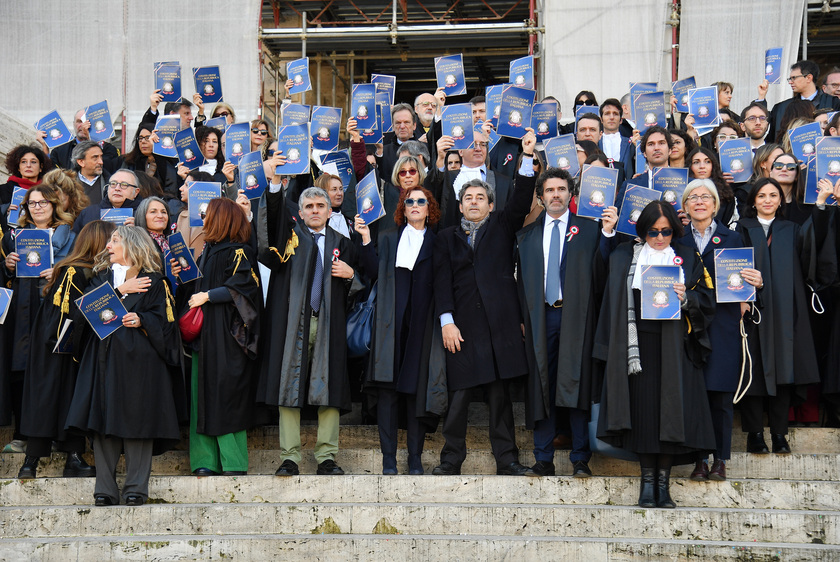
(201, 134)
(434, 209)
(15, 155)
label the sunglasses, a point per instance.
(222, 114)
(410, 172)
(586, 102)
(789, 166)
(656, 233)
(412, 202)
(260, 132)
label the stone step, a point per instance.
(796, 466)
(390, 546)
(57, 493)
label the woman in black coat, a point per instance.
(407, 368)
(51, 376)
(653, 368)
(141, 158)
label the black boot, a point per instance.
(756, 443)
(76, 467)
(663, 489)
(646, 491)
(30, 466)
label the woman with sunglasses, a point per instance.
(141, 158)
(584, 97)
(261, 136)
(405, 363)
(225, 110)
(784, 359)
(653, 368)
(703, 164)
(788, 172)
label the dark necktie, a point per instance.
(317, 277)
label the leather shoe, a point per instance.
(288, 468)
(29, 468)
(234, 473)
(101, 500)
(204, 472)
(541, 468)
(718, 472)
(701, 472)
(329, 468)
(780, 444)
(446, 469)
(76, 467)
(513, 469)
(756, 443)
(581, 469)
(134, 499)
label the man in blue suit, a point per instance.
(656, 144)
(616, 146)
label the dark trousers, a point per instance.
(546, 429)
(723, 412)
(502, 431)
(387, 415)
(42, 446)
(752, 411)
(138, 466)
(16, 391)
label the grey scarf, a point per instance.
(634, 362)
(471, 229)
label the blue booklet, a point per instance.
(294, 142)
(650, 110)
(671, 182)
(368, 201)
(640, 88)
(168, 80)
(597, 190)
(374, 134)
(493, 102)
(560, 152)
(812, 178)
(773, 65)
(828, 158)
(294, 114)
(544, 120)
(636, 198)
(338, 164)
(729, 285)
(218, 123)
(736, 158)
(298, 73)
(5, 303)
(641, 161)
(457, 122)
(703, 105)
(166, 127)
(18, 193)
(515, 113)
(188, 152)
(450, 75)
(385, 83)
(386, 119)
(492, 138)
(585, 110)
(326, 124)
(363, 106)
(64, 340)
(659, 300)
(522, 72)
(102, 309)
(199, 195)
(34, 246)
(803, 140)
(680, 90)
(208, 84)
(101, 127)
(57, 131)
(116, 216)
(237, 141)
(252, 178)
(167, 268)
(180, 252)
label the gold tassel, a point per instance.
(170, 316)
(256, 279)
(239, 255)
(709, 283)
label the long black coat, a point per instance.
(6, 332)
(585, 275)
(478, 287)
(128, 383)
(287, 375)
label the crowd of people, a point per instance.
(487, 287)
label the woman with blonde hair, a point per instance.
(73, 198)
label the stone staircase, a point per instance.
(771, 508)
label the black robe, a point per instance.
(125, 387)
(6, 332)
(287, 376)
(227, 347)
(585, 275)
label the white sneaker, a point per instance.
(15, 446)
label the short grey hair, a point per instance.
(403, 107)
(491, 192)
(625, 99)
(417, 99)
(142, 209)
(80, 151)
(708, 184)
(314, 193)
(417, 149)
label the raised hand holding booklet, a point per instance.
(180, 252)
(522, 72)
(102, 309)
(680, 90)
(544, 120)
(101, 127)
(636, 198)
(168, 80)
(773, 65)
(34, 246)
(199, 195)
(116, 216)
(659, 300)
(493, 103)
(295, 114)
(703, 105)
(208, 84)
(640, 88)
(189, 154)
(252, 178)
(450, 75)
(57, 131)
(166, 127)
(736, 158)
(560, 152)
(363, 106)
(650, 110)
(368, 201)
(828, 159)
(294, 142)
(237, 141)
(373, 134)
(17, 199)
(298, 73)
(597, 190)
(803, 140)
(729, 285)
(326, 124)
(670, 182)
(515, 113)
(457, 122)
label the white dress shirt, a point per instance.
(612, 146)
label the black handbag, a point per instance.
(360, 325)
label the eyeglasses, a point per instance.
(793, 78)
(723, 137)
(144, 138)
(480, 144)
(760, 118)
(262, 132)
(656, 233)
(427, 104)
(412, 202)
(409, 172)
(833, 86)
(120, 185)
(37, 204)
(222, 114)
(789, 166)
(705, 198)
